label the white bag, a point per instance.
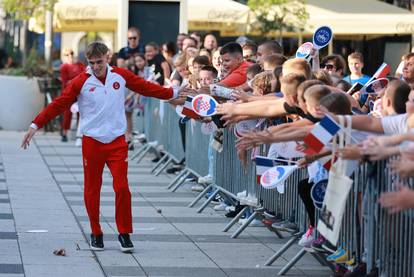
(337, 191)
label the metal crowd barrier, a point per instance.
(368, 233)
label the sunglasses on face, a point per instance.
(329, 66)
(132, 38)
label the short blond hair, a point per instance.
(297, 66)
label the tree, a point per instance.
(279, 15)
(23, 10)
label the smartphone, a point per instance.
(356, 87)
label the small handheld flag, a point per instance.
(304, 50)
(375, 86)
(204, 105)
(244, 127)
(275, 177)
(188, 110)
(321, 135)
(322, 37)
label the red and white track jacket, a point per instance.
(101, 106)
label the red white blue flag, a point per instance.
(263, 164)
(321, 135)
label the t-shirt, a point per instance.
(128, 52)
(237, 77)
(157, 61)
(395, 124)
(363, 80)
(298, 111)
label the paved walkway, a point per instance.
(41, 190)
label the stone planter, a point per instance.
(20, 101)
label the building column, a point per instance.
(122, 25)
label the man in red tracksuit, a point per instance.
(100, 95)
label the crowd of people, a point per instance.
(293, 94)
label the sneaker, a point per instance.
(233, 213)
(175, 169)
(329, 247)
(64, 138)
(254, 223)
(131, 146)
(78, 142)
(317, 244)
(96, 242)
(307, 238)
(207, 180)
(241, 194)
(125, 243)
(220, 207)
(340, 256)
(153, 143)
(197, 188)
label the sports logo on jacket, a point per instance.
(92, 89)
(116, 85)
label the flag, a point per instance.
(263, 164)
(188, 110)
(382, 71)
(321, 135)
(327, 162)
(275, 177)
(204, 105)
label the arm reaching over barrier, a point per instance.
(396, 201)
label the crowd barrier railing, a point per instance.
(369, 234)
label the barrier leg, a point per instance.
(176, 179)
(235, 219)
(200, 195)
(244, 226)
(181, 181)
(282, 250)
(138, 152)
(208, 201)
(292, 262)
(163, 166)
(143, 154)
(159, 163)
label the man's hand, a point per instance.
(405, 168)
(28, 137)
(395, 201)
(351, 152)
(241, 96)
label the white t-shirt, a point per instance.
(395, 124)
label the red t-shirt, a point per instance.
(238, 77)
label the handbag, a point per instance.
(337, 190)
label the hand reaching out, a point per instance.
(399, 200)
(28, 137)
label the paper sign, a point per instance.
(204, 105)
(322, 37)
(208, 128)
(375, 86)
(275, 176)
(244, 127)
(220, 91)
(285, 149)
(304, 50)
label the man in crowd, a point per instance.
(134, 47)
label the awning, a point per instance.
(81, 16)
(356, 17)
(226, 16)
